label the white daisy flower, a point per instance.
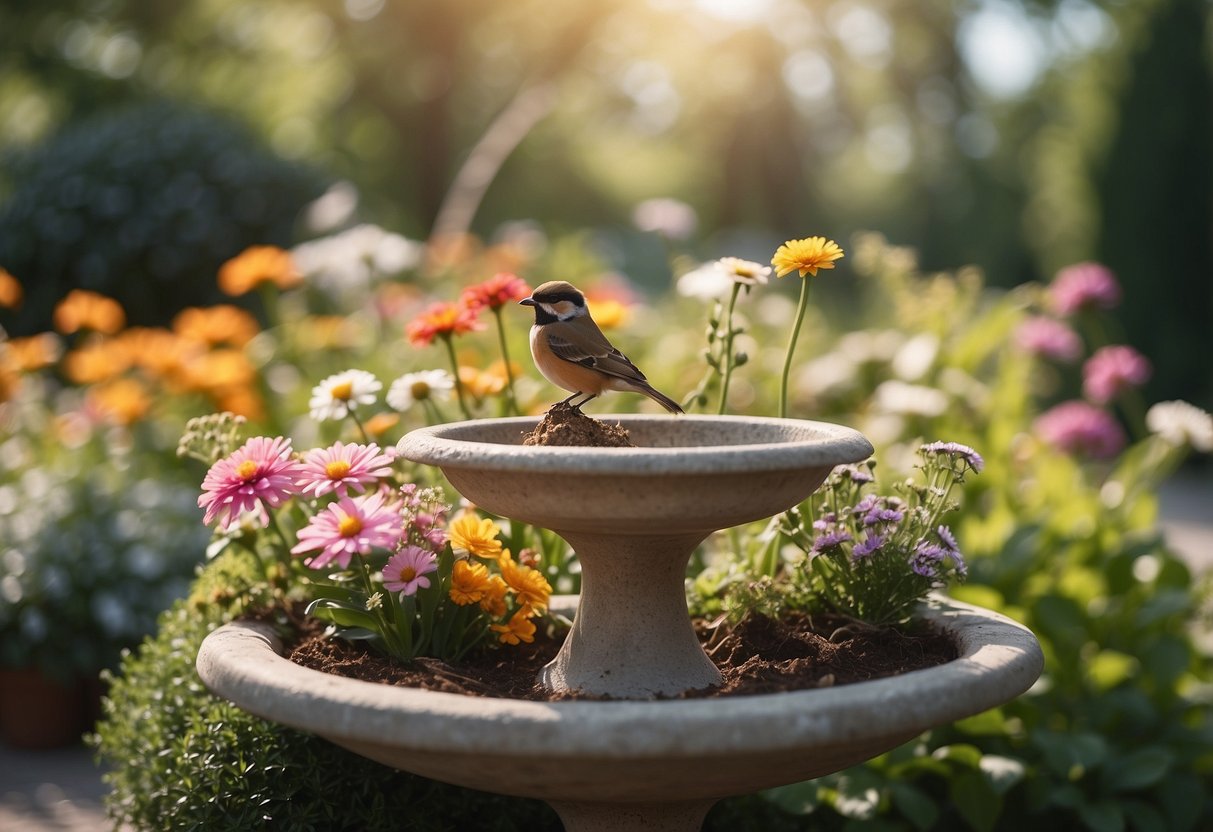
(745, 272)
(417, 387)
(338, 395)
(1181, 423)
(708, 282)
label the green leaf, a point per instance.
(1143, 817)
(975, 800)
(1165, 659)
(917, 807)
(796, 799)
(1139, 769)
(1071, 755)
(1183, 797)
(991, 723)
(1108, 668)
(1102, 817)
(962, 754)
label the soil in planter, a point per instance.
(564, 424)
(760, 655)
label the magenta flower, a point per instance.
(1112, 370)
(406, 570)
(1084, 286)
(341, 467)
(258, 474)
(352, 525)
(1081, 427)
(1048, 338)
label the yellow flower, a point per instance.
(256, 265)
(82, 309)
(481, 383)
(10, 291)
(518, 629)
(97, 361)
(529, 585)
(469, 583)
(806, 256)
(494, 596)
(607, 312)
(469, 532)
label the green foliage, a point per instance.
(182, 759)
(142, 204)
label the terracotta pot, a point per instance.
(38, 711)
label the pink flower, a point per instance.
(1084, 286)
(1112, 370)
(340, 467)
(406, 570)
(1081, 427)
(495, 292)
(352, 525)
(1048, 338)
(260, 473)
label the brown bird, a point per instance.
(571, 351)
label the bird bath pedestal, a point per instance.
(634, 516)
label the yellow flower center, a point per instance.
(337, 469)
(407, 573)
(246, 470)
(342, 391)
(420, 390)
(349, 526)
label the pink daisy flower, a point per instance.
(260, 473)
(406, 570)
(1084, 286)
(340, 467)
(1112, 370)
(352, 525)
(1048, 338)
(1081, 427)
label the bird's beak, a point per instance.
(527, 302)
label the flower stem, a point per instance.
(505, 357)
(450, 351)
(787, 361)
(730, 334)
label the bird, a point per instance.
(571, 352)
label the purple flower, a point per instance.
(858, 475)
(831, 540)
(926, 559)
(882, 514)
(947, 539)
(1048, 338)
(867, 546)
(825, 521)
(1082, 428)
(1112, 370)
(1084, 286)
(956, 450)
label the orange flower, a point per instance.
(517, 630)
(529, 585)
(159, 351)
(33, 353)
(496, 292)
(481, 383)
(257, 265)
(82, 309)
(123, 401)
(10, 291)
(469, 582)
(381, 423)
(96, 361)
(243, 401)
(222, 324)
(494, 596)
(220, 370)
(442, 319)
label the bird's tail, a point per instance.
(659, 397)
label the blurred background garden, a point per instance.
(212, 205)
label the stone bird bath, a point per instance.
(634, 516)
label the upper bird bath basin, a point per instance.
(634, 516)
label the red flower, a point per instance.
(445, 319)
(496, 292)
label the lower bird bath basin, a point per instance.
(633, 515)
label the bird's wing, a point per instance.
(587, 346)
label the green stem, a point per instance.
(450, 351)
(505, 356)
(366, 438)
(730, 334)
(787, 361)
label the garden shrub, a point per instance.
(142, 204)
